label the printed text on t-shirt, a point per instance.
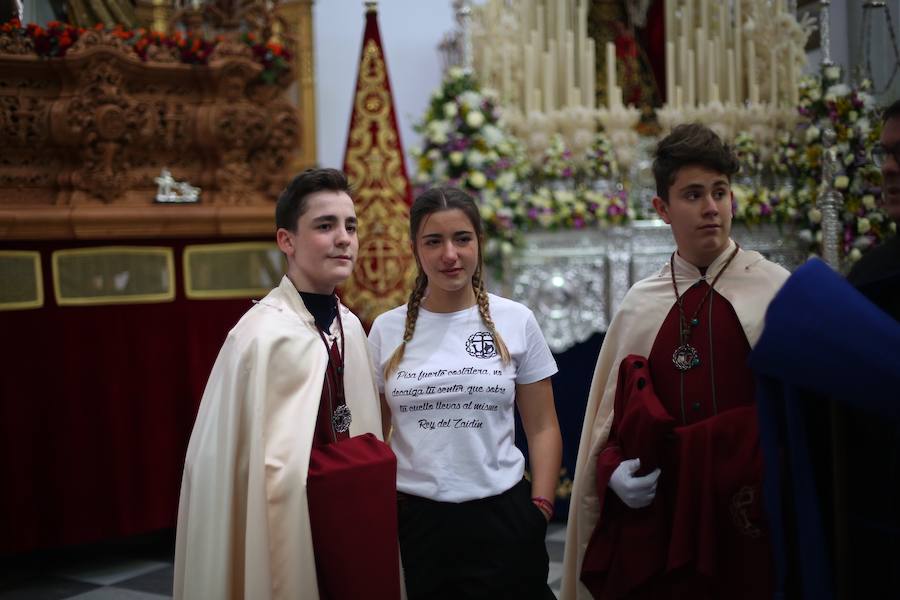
(445, 389)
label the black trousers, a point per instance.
(490, 548)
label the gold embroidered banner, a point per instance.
(374, 164)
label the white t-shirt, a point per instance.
(452, 399)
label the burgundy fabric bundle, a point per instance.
(352, 496)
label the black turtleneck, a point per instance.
(323, 308)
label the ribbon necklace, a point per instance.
(340, 416)
(686, 356)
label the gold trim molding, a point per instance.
(38, 280)
(194, 292)
(102, 299)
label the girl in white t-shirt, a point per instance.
(452, 364)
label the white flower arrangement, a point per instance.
(466, 145)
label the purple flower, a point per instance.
(765, 210)
(614, 209)
(578, 222)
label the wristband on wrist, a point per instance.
(545, 506)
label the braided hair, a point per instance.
(435, 200)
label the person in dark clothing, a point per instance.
(877, 274)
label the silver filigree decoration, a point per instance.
(170, 191)
(574, 281)
(830, 202)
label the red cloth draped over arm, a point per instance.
(628, 546)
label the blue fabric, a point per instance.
(823, 340)
(770, 432)
(823, 336)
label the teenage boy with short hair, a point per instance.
(288, 491)
(667, 497)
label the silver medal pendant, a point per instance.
(685, 357)
(341, 418)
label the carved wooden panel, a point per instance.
(83, 137)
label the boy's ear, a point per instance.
(285, 240)
(662, 209)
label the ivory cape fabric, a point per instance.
(748, 284)
(243, 518)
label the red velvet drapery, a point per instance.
(96, 408)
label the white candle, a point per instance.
(569, 58)
(773, 77)
(713, 92)
(584, 75)
(682, 59)
(540, 28)
(792, 80)
(536, 100)
(687, 19)
(711, 79)
(610, 68)
(670, 73)
(704, 20)
(525, 9)
(751, 70)
(732, 79)
(592, 74)
(738, 52)
(721, 45)
(507, 72)
(700, 49)
(670, 21)
(723, 16)
(617, 97)
(720, 76)
(560, 23)
(528, 79)
(581, 37)
(679, 97)
(549, 81)
(690, 79)
(559, 75)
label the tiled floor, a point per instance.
(136, 569)
(556, 541)
(140, 569)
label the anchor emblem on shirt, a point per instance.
(481, 345)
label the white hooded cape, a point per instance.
(243, 519)
(749, 284)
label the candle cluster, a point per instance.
(536, 54)
(712, 54)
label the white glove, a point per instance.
(635, 492)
